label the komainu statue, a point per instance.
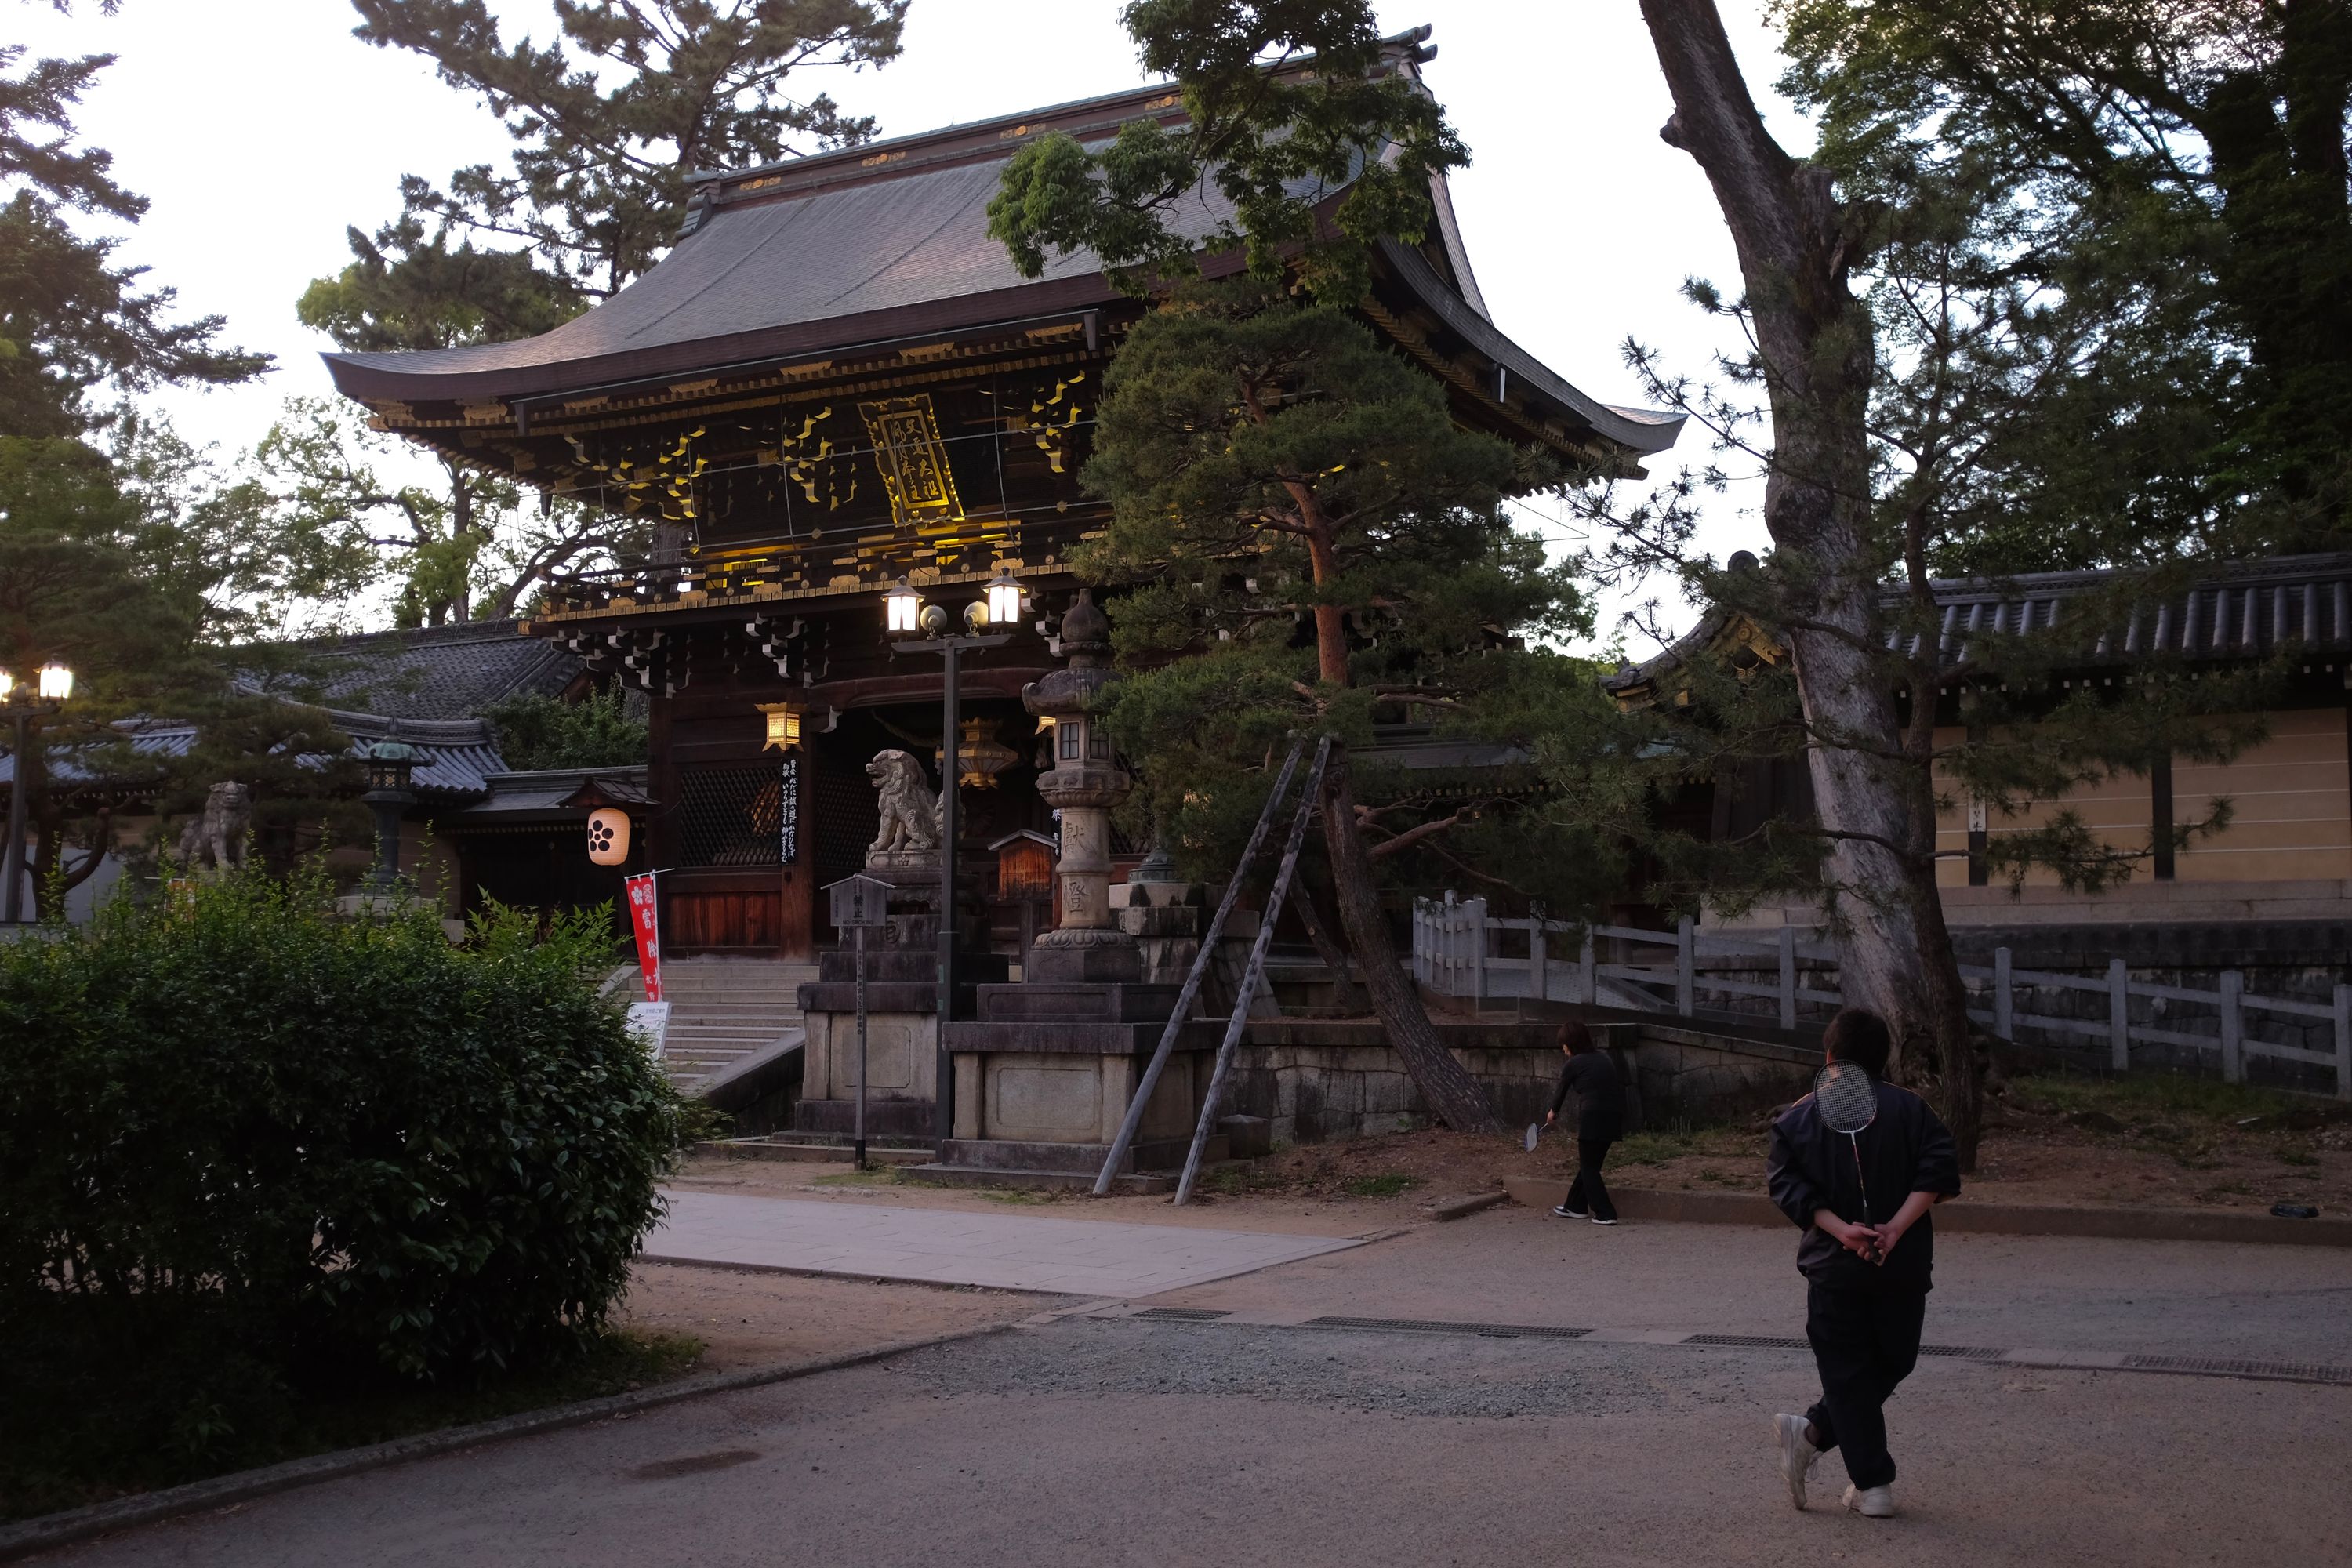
(219, 833)
(910, 811)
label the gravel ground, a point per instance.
(1399, 1374)
(1089, 1442)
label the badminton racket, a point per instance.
(1848, 1103)
(1535, 1131)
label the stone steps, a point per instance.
(725, 1010)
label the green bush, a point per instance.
(247, 1148)
(537, 731)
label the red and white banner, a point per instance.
(646, 917)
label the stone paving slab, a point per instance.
(933, 1247)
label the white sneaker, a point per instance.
(1564, 1212)
(1871, 1502)
(1797, 1457)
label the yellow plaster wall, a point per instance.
(2292, 797)
(2118, 810)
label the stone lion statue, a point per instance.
(910, 811)
(219, 832)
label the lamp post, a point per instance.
(389, 763)
(52, 687)
(915, 627)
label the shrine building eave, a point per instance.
(884, 249)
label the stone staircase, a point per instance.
(724, 1011)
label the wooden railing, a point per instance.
(1456, 953)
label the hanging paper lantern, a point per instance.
(608, 837)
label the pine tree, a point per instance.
(70, 319)
(1302, 517)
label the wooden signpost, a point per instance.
(860, 903)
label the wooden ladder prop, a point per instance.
(1242, 999)
(1191, 991)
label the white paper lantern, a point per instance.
(608, 837)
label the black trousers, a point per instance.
(1589, 1194)
(1865, 1342)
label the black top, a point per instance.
(1600, 1091)
(1907, 1150)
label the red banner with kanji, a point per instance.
(645, 919)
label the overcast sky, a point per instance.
(260, 130)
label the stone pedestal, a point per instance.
(902, 998)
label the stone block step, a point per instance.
(815, 1151)
(1148, 1183)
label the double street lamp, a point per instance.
(49, 692)
(915, 627)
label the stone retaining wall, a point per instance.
(1317, 1080)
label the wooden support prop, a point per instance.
(1234, 1025)
(1201, 962)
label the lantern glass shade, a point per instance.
(783, 726)
(389, 764)
(1073, 736)
(7, 685)
(980, 755)
(1004, 599)
(608, 837)
(901, 607)
(57, 682)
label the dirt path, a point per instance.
(748, 1320)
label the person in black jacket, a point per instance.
(1867, 1267)
(1599, 1121)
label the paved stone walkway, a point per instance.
(943, 1247)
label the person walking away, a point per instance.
(1599, 1121)
(1868, 1264)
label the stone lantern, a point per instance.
(1083, 785)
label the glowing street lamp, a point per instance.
(915, 626)
(51, 687)
(1004, 599)
(902, 606)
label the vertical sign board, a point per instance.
(645, 919)
(788, 812)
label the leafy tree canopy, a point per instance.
(1288, 104)
(71, 318)
(2199, 147)
(537, 731)
(609, 119)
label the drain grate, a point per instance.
(1182, 1315)
(2208, 1366)
(1965, 1353)
(1752, 1341)
(1438, 1326)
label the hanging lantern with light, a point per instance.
(980, 755)
(608, 837)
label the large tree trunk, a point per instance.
(1453, 1095)
(1871, 786)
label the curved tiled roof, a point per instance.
(885, 242)
(430, 672)
(459, 755)
(2244, 610)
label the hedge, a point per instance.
(246, 1145)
